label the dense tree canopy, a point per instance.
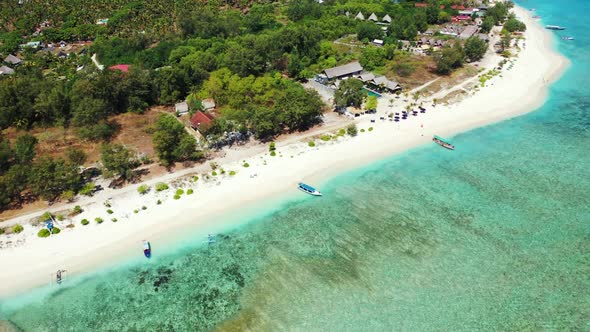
(475, 48)
(118, 160)
(449, 58)
(243, 54)
(172, 143)
(349, 93)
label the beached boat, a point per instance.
(554, 27)
(147, 250)
(443, 142)
(309, 189)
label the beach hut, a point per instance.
(373, 17)
(181, 108)
(347, 13)
(340, 72)
(6, 70)
(123, 68)
(386, 19)
(360, 16)
(12, 59)
(201, 119)
(208, 104)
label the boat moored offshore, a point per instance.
(147, 250)
(443, 142)
(309, 189)
(554, 27)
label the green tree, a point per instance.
(449, 58)
(368, 31)
(513, 24)
(118, 160)
(6, 154)
(299, 109)
(475, 48)
(24, 148)
(372, 57)
(12, 185)
(371, 103)
(349, 93)
(50, 177)
(498, 12)
(76, 156)
(487, 24)
(171, 141)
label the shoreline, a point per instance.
(86, 248)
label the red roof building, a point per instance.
(123, 68)
(200, 119)
(422, 5)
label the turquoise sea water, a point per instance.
(493, 236)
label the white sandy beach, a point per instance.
(518, 90)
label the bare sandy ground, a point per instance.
(515, 91)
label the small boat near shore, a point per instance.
(147, 250)
(567, 38)
(308, 189)
(443, 142)
(554, 27)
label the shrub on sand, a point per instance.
(311, 144)
(232, 173)
(77, 210)
(109, 211)
(84, 222)
(189, 192)
(114, 219)
(161, 186)
(17, 228)
(246, 165)
(98, 220)
(143, 189)
(43, 233)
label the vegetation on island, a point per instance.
(248, 56)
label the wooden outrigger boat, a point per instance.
(147, 250)
(443, 142)
(309, 189)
